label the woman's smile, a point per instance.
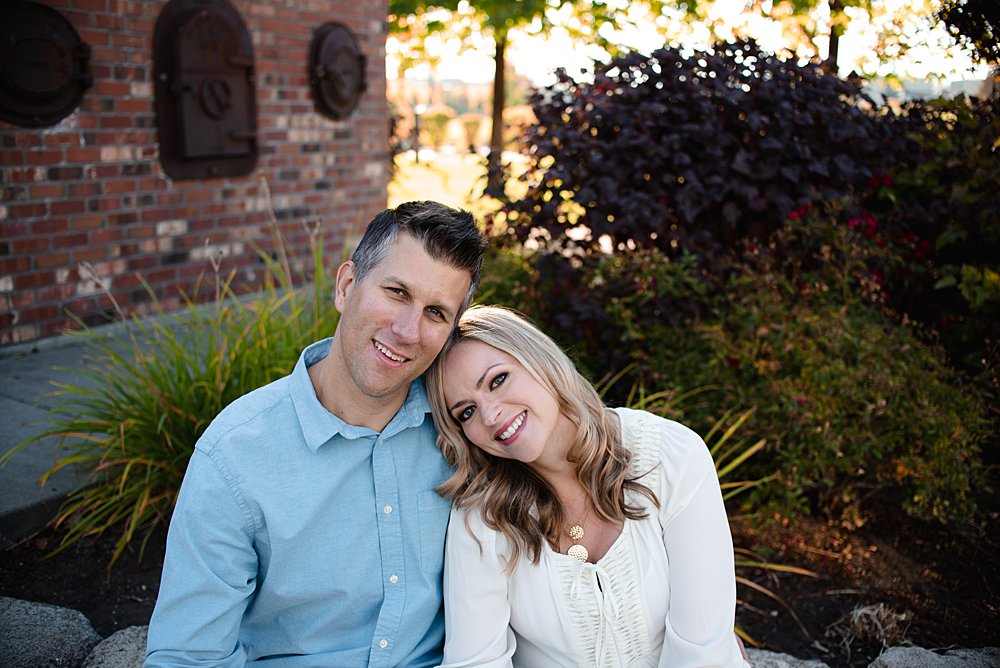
(509, 435)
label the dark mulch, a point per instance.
(939, 588)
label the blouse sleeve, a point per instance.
(699, 546)
(476, 610)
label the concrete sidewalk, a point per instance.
(27, 372)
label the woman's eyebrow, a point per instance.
(479, 383)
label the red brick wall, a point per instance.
(91, 189)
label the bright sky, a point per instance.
(537, 58)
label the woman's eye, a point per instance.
(498, 380)
(465, 414)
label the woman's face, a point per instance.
(501, 408)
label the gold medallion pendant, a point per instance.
(576, 550)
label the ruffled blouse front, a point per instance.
(663, 594)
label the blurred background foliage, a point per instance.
(765, 232)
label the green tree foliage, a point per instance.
(497, 18)
(975, 25)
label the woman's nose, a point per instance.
(491, 412)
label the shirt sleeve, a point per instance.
(209, 573)
(476, 609)
(701, 615)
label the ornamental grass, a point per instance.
(130, 422)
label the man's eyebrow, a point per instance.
(479, 383)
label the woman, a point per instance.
(580, 535)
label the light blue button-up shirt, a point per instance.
(300, 540)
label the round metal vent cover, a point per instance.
(336, 70)
(43, 65)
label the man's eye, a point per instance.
(465, 414)
(498, 380)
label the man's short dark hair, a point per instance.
(446, 234)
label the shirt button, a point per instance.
(383, 643)
(387, 510)
(393, 579)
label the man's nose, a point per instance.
(407, 326)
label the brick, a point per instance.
(49, 225)
(67, 207)
(90, 254)
(33, 280)
(115, 122)
(87, 222)
(88, 154)
(106, 87)
(55, 293)
(105, 236)
(13, 265)
(39, 313)
(69, 240)
(23, 174)
(118, 187)
(45, 191)
(84, 189)
(34, 210)
(49, 260)
(64, 173)
(61, 139)
(42, 157)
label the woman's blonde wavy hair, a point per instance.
(513, 499)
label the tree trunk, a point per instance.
(836, 30)
(494, 178)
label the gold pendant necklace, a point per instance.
(575, 532)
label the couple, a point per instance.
(309, 530)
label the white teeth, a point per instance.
(512, 429)
(388, 353)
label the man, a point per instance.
(307, 531)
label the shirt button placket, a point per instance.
(392, 560)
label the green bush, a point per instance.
(937, 219)
(852, 401)
(131, 423)
(436, 121)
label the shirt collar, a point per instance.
(319, 425)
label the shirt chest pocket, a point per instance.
(433, 511)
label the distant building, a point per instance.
(882, 91)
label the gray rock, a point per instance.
(36, 635)
(915, 657)
(762, 658)
(122, 649)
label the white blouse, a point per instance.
(663, 596)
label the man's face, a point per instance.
(395, 322)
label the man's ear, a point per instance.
(345, 279)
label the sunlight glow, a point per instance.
(537, 57)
